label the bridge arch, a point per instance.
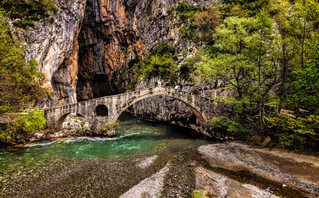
(101, 110)
(109, 108)
(202, 118)
(62, 119)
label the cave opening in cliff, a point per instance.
(100, 86)
(108, 46)
(103, 46)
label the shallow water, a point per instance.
(134, 138)
(107, 167)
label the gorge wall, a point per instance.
(115, 32)
(54, 47)
(83, 52)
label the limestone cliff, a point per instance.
(114, 32)
(91, 41)
(54, 47)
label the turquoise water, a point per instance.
(135, 137)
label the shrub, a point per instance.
(161, 62)
(194, 91)
(27, 12)
(24, 23)
(170, 10)
(82, 123)
(225, 124)
(293, 132)
(23, 126)
(197, 194)
(110, 126)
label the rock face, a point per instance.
(295, 174)
(54, 46)
(116, 32)
(84, 51)
(113, 33)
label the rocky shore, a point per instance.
(229, 169)
(73, 126)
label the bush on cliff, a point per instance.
(26, 12)
(20, 129)
(161, 62)
(196, 23)
(20, 81)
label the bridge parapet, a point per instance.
(115, 105)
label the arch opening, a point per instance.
(61, 120)
(72, 121)
(101, 110)
(200, 117)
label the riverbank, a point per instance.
(150, 159)
(214, 170)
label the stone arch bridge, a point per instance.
(108, 108)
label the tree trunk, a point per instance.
(283, 76)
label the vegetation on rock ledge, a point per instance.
(26, 12)
(110, 126)
(20, 86)
(160, 62)
(20, 129)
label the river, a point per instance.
(146, 159)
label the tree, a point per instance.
(306, 82)
(20, 82)
(205, 23)
(260, 52)
(295, 22)
(305, 21)
(243, 59)
(230, 63)
(161, 62)
(23, 126)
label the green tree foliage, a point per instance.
(306, 82)
(26, 12)
(161, 62)
(231, 62)
(266, 54)
(22, 127)
(304, 22)
(187, 68)
(196, 23)
(227, 125)
(292, 132)
(285, 50)
(243, 8)
(20, 83)
(263, 76)
(295, 21)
